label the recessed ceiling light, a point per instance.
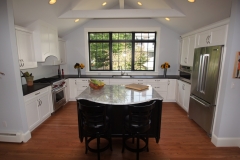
(139, 3)
(104, 3)
(52, 1)
(191, 0)
(168, 19)
(76, 20)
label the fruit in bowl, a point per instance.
(96, 84)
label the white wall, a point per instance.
(227, 127)
(169, 42)
(41, 72)
(12, 110)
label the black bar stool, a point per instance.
(137, 123)
(95, 125)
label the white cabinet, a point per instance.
(120, 81)
(45, 37)
(25, 48)
(183, 94)
(212, 37)
(38, 107)
(171, 90)
(62, 51)
(77, 86)
(187, 52)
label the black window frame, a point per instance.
(133, 41)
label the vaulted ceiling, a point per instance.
(184, 16)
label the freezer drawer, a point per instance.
(202, 113)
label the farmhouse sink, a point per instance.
(119, 76)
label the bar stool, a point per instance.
(95, 125)
(137, 123)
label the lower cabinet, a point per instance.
(77, 86)
(38, 107)
(183, 94)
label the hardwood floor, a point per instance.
(57, 138)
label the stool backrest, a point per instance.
(93, 115)
(140, 114)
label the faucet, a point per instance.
(122, 73)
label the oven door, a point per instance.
(185, 76)
(59, 98)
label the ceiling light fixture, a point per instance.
(168, 19)
(191, 0)
(139, 3)
(76, 20)
(104, 3)
(52, 1)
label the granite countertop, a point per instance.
(119, 95)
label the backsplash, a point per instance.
(41, 72)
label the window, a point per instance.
(129, 51)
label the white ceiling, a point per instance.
(185, 16)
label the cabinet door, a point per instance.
(203, 38)
(218, 35)
(72, 89)
(44, 105)
(171, 89)
(67, 89)
(186, 99)
(191, 47)
(62, 51)
(185, 49)
(177, 91)
(32, 112)
(25, 49)
(180, 93)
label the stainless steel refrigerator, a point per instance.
(205, 78)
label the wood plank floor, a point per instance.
(57, 138)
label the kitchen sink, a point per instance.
(119, 76)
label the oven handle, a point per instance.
(186, 71)
(59, 90)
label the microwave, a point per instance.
(185, 73)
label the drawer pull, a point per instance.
(37, 93)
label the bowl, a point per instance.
(94, 86)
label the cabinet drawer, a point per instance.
(120, 81)
(36, 93)
(82, 86)
(106, 81)
(160, 86)
(156, 80)
(140, 81)
(82, 80)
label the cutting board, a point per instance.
(138, 87)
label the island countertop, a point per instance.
(119, 95)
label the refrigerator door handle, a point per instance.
(200, 101)
(205, 60)
(199, 74)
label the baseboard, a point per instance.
(15, 137)
(225, 142)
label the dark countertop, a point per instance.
(37, 86)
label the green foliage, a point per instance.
(26, 74)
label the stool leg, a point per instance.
(132, 138)
(110, 140)
(123, 142)
(98, 145)
(137, 146)
(86, 145)
(147, 142)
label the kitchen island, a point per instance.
(117, 97)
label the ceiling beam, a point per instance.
(121, 4)
(122, 13)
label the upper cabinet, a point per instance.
(45, 38)
(25, 48)
(62, 51)
(212, 37)
(187, 52)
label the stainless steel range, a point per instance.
(58, 91)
